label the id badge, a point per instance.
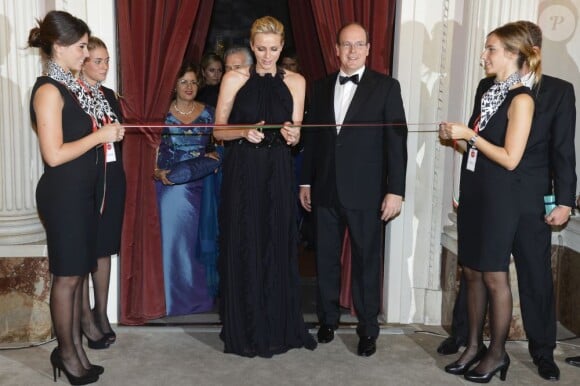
(471, 159)
(111, 156)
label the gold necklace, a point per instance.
(181, 112)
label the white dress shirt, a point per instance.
(343, 94)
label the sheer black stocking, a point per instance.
(77, 333)
(64, 293)
(500, 317)
(101, 280)
(476, 306)
(89, 327)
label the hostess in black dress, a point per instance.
(110, 222)
(66, 195)
(488, 211)
(260, 293)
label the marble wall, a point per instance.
(24, 300)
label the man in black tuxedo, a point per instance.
(353, 177)
(548, 166)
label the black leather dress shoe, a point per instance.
(574, 361)
(325, 334)
(450, 345)
(547, 369)
(367, 346)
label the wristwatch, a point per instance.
(472, 140)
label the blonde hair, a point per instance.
(517, 39)
(265, 25)
(95, 42)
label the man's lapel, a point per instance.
(361, 94)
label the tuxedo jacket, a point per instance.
(358, 166)
(549, 162)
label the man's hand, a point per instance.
(391, 206)
(558, 216)
(304, 195)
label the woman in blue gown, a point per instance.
(187, 211)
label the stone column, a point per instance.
(24, 277)
(20, 161)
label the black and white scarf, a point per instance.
(90, 98)
(494, 97)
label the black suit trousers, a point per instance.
(365, 231)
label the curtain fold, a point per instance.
(153, 37)
(306, 40)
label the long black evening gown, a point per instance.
(260, 292)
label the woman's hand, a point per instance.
(254, 135)
(213, 155)
(290, 133)
(112, 132)
(161, 175)
(452, 130)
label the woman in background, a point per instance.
(188, 211)
(210, 76)
(95, 324)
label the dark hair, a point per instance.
(184, 69)
(95, 42)
(348, 25)
(187, 67)
(57, 27)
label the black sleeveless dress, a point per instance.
(110, 222)
(260, 294)
(488, 211)
(66, 195)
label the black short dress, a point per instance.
(488, 211)
(66, 195)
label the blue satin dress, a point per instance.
(188, 219)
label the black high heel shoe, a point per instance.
(57, 364)
(503, 367)
(111, 336)
(457, 368)
(96, 370)
(97, 344)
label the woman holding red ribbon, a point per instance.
(95, 323)
(67, 194)
(488, 201)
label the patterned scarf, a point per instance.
(494, 97)
(90, 98)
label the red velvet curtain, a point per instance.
(378, 17)
(306, 40)
(153, 37)
(317, 21)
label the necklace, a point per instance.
(181, 112)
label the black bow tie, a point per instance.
(344, 79)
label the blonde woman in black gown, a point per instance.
(260, 293)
